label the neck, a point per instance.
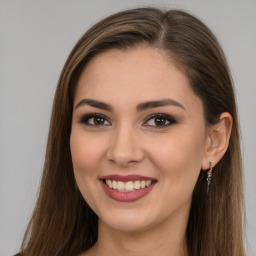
(165, 240)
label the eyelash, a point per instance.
(163, 117)
(86, 118)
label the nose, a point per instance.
(125, 147)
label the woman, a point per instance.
(143, 154)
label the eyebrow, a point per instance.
(140, 107)
(159, 103)
(94, 103)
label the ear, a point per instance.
(217, 140)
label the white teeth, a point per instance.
(137, 184)
(120, 186)
(109, 183)
(114, 183)
(148, 183)
(128, 186)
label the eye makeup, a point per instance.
(156, 120)
(159, 120)
(94, 119)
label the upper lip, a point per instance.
(125, 178)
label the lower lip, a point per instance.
(127, 196)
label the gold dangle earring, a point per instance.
(209, 177)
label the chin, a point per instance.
(127, 221)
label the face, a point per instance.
(138, 139)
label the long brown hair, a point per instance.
(62, 222)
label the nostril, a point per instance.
(125, 158)
(125, 149)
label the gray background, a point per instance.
(35, 40)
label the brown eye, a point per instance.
(98, 121)
(94, 120)
(159, 121)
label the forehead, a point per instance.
(137, 74)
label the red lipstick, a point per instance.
(130, 196)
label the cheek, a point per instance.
(85, 151)
(179, 157)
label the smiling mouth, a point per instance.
(128, 186)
